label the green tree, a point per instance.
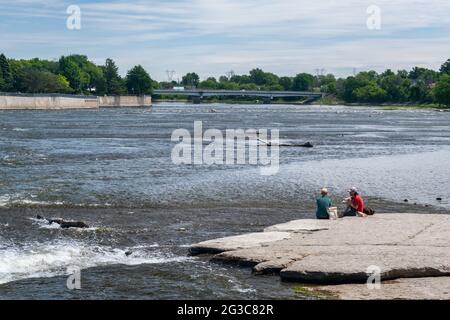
(166, 85)
(257, 76)
(422, 74)
(249, 87)
(42, 65)
(113, 82)
(445, 68)
(274, 87)
(346, 89)
(286, 83)
(370, 93)
(2, 82)
(210, 83)
(303, 82)
(442, 90)
(241, 79)
(271, 80)
(6, 74)
(191, 80)
(138, 81)
(228, 85)
(83, 75)
(223, 79)
(78, 79)
(326, 83)
(261, 78)
(418, 92)
(97, 81)
(395, 85)
(33, 80)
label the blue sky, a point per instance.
(213, 37)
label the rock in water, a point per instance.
(342, 251)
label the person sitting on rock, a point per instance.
(323, 205)
(355, 204)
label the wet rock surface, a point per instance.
(329, 252)
(409, 288)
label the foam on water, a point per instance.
(19, 199)
(51, 259)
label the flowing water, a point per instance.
(113, 170)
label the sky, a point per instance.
(213, 37)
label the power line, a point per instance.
(170, 75)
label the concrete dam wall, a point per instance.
(51, 102)
(124, 101)
(57, 102)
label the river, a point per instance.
(112, 169)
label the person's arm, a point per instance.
(354, 204)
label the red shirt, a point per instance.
(358, 203)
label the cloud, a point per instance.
(214, 36)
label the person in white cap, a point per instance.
(355, 204)
(323, 205)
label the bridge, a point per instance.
(267, 96)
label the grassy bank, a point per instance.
(418, 106)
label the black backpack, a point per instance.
(369, 211)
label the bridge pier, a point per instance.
(267, 100)
(197, 99)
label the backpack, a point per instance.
(369, 211)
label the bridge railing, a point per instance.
(201, 92)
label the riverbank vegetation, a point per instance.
(76, 74)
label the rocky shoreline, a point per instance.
(410, 251)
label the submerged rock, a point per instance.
(128, 253)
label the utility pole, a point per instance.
(320, 71)
(170, 75)
(230, 74)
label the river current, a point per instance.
(112, 169)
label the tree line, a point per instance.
(72, 74)
(76, 74)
